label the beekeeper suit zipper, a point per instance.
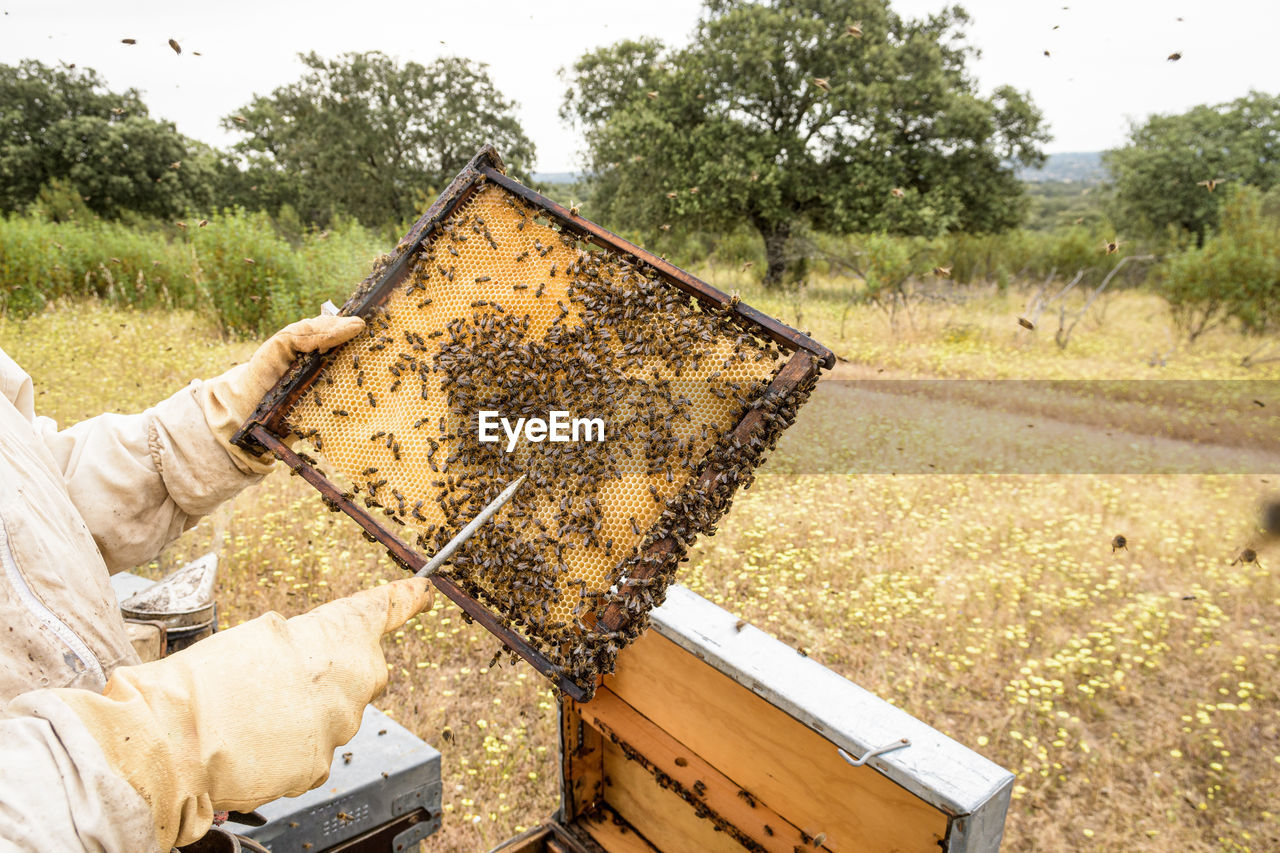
(37, 608)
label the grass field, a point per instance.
(1133, 693)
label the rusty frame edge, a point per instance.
(411, 559)
(694, 286)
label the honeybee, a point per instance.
(1112, 247)
(897, 192)
(250, 261)
(128, 41)
(1211, 184)
(1175, 56)
(653, 96)
(747, 265)
(177, 48)
(240, 119)
(943, 272)
(822, 83)
(1248, 555)
(854, 30)
(1119, 543)
(202, 223)
(1026, 324)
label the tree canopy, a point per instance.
(63, 126)
(1170, 171)
(365, 135)
(835, 114)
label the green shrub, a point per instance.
(43, 261)
(1235, 274)
(331, 264)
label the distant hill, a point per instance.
(1078, 167)
(557, 177)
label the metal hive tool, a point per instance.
(501, 300)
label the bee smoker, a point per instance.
(180, 606)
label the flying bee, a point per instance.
(1248, 555)
(1211, 184)
(1112, 246)
(177, 48)
(1026, 324)
(822, 83)
(897, 192)
(128, 41)
(854, 30)
(1174, 57)
(1119, 543)
(942, 272)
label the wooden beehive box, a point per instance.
(714, 736)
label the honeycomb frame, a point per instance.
(725, 462)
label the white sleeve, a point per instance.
(57, 791)
(140, 480)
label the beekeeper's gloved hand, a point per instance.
(229, 399)
(247, 715)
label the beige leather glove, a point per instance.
(229, 399)
(247, 715)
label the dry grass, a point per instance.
(1134, 693)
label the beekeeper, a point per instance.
(97, 751)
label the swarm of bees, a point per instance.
(504, 312)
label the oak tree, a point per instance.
(365, 135)
(833, 114)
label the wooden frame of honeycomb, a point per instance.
(501, 300)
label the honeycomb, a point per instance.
(503, 312)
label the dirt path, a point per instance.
(863, 421)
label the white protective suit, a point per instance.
(77, 504)
(99, 752)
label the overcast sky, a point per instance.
(1107, 60)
